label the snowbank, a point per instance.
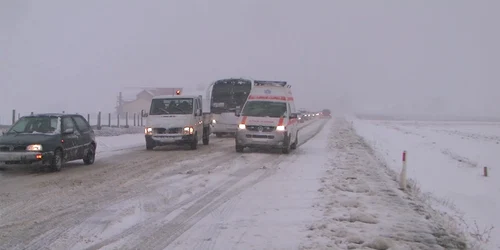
(445, 161)
(120, 142)
(107, 131)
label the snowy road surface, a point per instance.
(329, 193)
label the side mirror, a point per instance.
(3, 132)
(293, 116)
(69, 131)
(237, 112)
(198, 112)
(144, 114)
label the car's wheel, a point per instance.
(57, 161)
(239, 148)
(89, 158)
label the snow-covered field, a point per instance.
(330, 193)
(446, 162)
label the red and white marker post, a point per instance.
(402, 176)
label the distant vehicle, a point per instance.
(326, 113)
(48, 139)
(227, 95)
(268, 118)
(176, 120)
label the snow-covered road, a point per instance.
(330, 193)
(129, 197)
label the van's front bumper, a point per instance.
(254, 139)
(25, 157)
(175, 139)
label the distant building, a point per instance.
(142, 100)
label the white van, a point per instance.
(268, 118)
(176, 120)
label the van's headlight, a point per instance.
(188, 130)
(34, 147)
(148, 131)
(242, 126)
(280, 128)
(214, 121)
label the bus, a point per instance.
(226, 96)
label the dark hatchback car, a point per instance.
(48, 139)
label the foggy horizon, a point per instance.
(391, 57)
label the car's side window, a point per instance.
(67, 123)
(81, 123)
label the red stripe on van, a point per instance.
(244, 120)
(280, 122)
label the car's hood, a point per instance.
(16, 139)
(169, 121)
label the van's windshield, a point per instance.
(264, 109)
(167, 106)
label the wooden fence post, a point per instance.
(99, 120)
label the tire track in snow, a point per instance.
(51, 213)
(156, 233)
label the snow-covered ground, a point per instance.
(446, 162)
(330, 193)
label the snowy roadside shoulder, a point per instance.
(362, 206)
(111, 131)
(445, 171)
(107, 144)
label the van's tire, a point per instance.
(286, 146)
(150, 146)
(89, 158)
(193, 145)
(206, 136)
(296, 142)
(57, 161)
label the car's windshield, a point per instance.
(171, 106)
(36, 124)
(264, 109)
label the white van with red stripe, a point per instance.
(268, 118)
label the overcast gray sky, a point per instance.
(379, 56)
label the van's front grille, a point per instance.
(261, 128)
(167, 131)
(261, 136)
